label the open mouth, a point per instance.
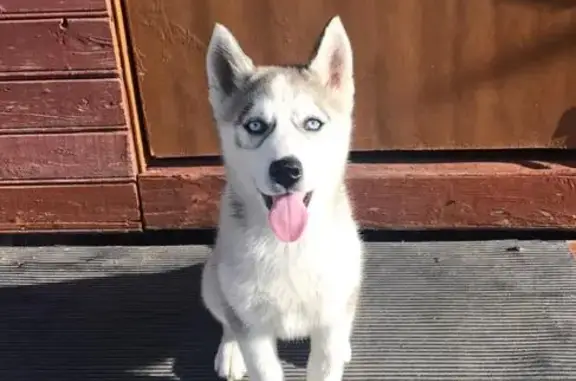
(269, 200)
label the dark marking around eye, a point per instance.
(244, 112)
(243, 100)
(254, 140)
(318, 124)
(261, 125)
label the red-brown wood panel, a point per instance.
(29, 105)
(56, 45)
(41, 6)
(395, 196)
(96, 207)
(65, 156)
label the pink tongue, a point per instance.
(288, 216)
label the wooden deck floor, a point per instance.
(502, 310)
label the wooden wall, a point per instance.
(66, 151)
(454, 75)
(67, 146)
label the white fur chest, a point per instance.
(291, 288)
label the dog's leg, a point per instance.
(330, 345)
(261, 356)
(229, 363)
(330, 351)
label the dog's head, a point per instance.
(284, 129)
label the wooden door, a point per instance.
(431, 74)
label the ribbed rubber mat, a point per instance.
(502, 310)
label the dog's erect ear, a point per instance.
(226, 63)
(333, 57)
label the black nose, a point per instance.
(286, 171)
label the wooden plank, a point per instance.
(97, 207)
(443, 74)
(175, 199)
(395, 196)
(59, 104)
(50, 45)
(65, 156)
(42, 6)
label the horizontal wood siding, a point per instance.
(90, 207)
(60, 104)
(66, 153)
(78, 156)
(56, 45)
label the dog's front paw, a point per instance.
(327, 364)
(229, 363)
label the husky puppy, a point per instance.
(287, 262)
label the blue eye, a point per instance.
(255, 126)
(313, 124)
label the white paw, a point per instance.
(229, 363)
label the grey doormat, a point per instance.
(502, 310)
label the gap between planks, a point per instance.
(38, 16)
